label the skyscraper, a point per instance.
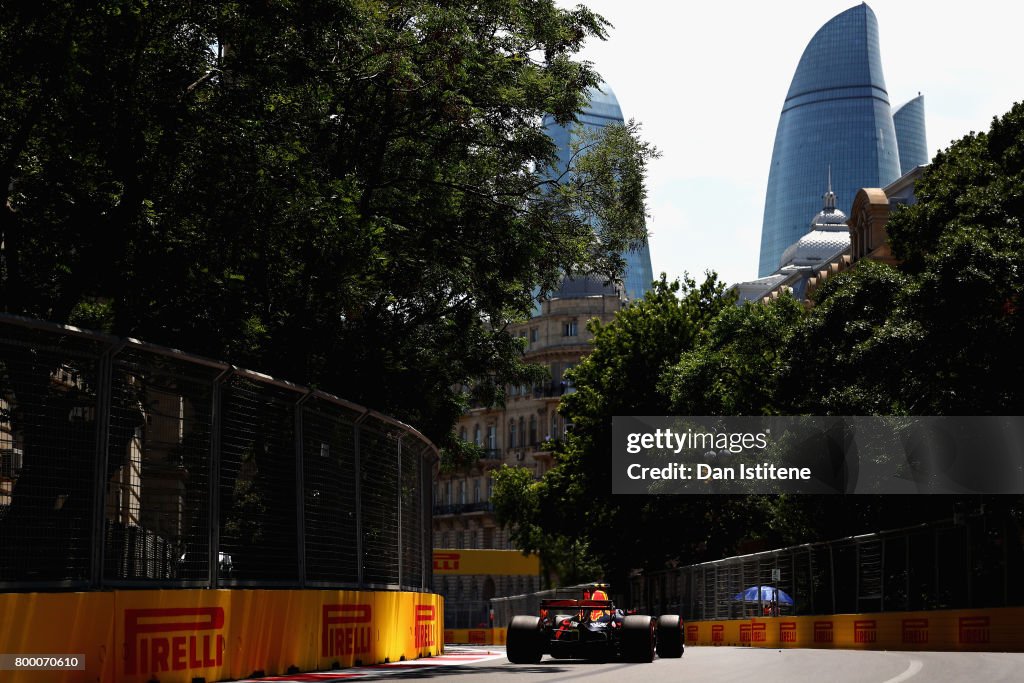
(602, 110)
(910, 135)
(837, 114)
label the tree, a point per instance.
(352, 194)
(963, 243)
(522, 506)
(622, 376)
(736, 364)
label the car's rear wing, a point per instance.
(577, 604)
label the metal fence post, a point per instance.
(104, 371)
(213, 523)
(832, 575)
(426, 525)
(356, 429)
(300, 491)
(398, 481)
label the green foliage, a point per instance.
(736, 365)
(621, 376)
(938, 335)
(521, 504)
(354, 194)
(847, 357)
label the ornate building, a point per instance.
(835, 242)
(519, 434)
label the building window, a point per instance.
(477, 440)
(476, 490)
(534, 334)
(570, 328)
(447, 493)
(462, 492)
(554, 425)
(522, 432)
(462, 433)
(511, 433)
(492, 437)
(533, 430)
(490, 488)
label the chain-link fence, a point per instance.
(973, 561)
(468, 599)
(126, 464)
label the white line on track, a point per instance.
(915, 667)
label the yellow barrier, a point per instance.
(499, 562)
(55, 624)
(178, 635)
(987, 630)
(475, 636)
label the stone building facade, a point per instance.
(519, 434)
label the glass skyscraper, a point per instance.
(910, 135)
(836, 115)
(602, 110)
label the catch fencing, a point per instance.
(124, 464)
(972, 561)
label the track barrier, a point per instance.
(182, 635)
(974, 630)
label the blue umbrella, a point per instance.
(767, 594)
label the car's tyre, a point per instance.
(638, 638)
(671, 639)
(524, 642)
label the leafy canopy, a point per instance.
(355, 194)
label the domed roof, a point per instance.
(829, 235)
(815, 247)
(828, 217)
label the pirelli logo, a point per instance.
(173, 639)
(446, 562)
(865, 631)
(426, 619)
(823, 632)
(692, 633)
(915, 631)
(345, 630)
(787, 632)
(975, 630)
(717, 633)
(753, 633)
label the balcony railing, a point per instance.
(463, 508)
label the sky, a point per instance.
(707, 81)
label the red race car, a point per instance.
(592, 629)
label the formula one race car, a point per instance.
(592, 629)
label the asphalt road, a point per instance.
(713, 664)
